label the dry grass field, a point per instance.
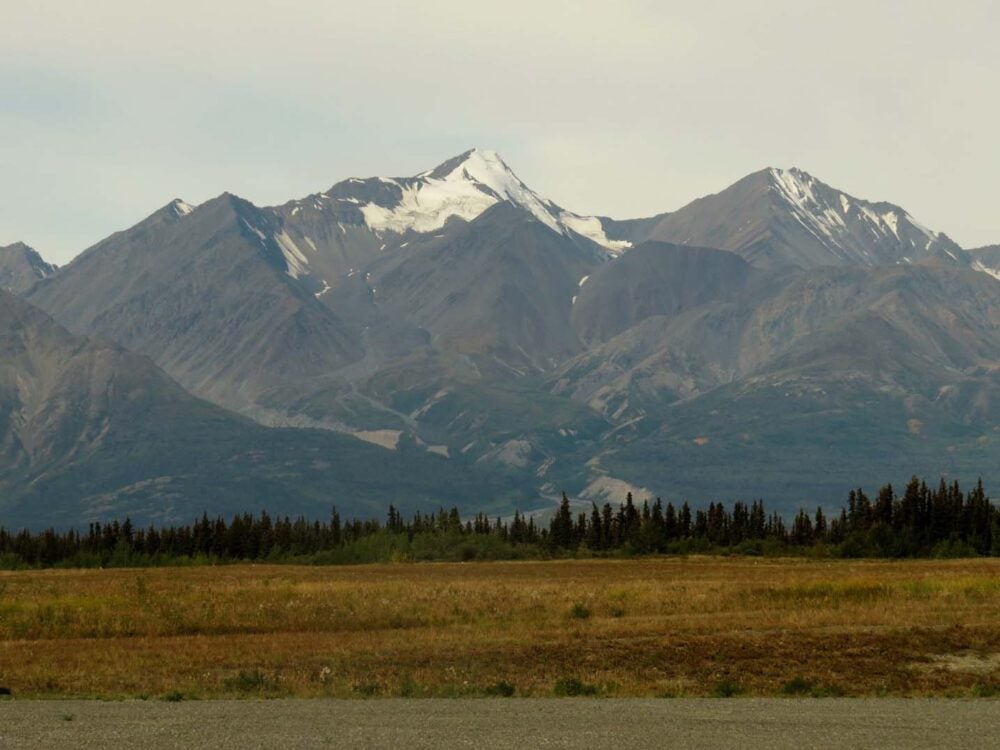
(650, 627)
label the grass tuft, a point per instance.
(249, 681)
(368, 689)
(798, 686)
(571, 687)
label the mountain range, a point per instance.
(780, 339)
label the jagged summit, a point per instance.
(799, 188)
(21, 266)
(462, 187)
(779, 218)
(848, 226)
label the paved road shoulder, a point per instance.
(498, 723)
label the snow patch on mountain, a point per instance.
(426, 206)
(892, 221)
(260, 235)
(295, 259)
(592, 228)
(978, 265)
(478, 182)
(481, 181)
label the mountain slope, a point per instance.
(787, 218)
(20, 267)
(498, 288)
(89, 431)
(210, 294)
(943, 319)
(655, 278)
(804, 385)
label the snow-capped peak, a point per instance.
(846, 225)
(487, 170)
(465, 187)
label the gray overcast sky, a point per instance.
(110, 108)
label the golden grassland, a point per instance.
(650, 627)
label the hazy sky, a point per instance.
(110, 108)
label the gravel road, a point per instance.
(498, 723)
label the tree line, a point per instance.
(920, 522)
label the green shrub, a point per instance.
(726, 689)
(408, 688)
(953, 548)
(986, 690)
(11, 561)
(798, 686)
(500, 689)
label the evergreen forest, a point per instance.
(922, 521)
